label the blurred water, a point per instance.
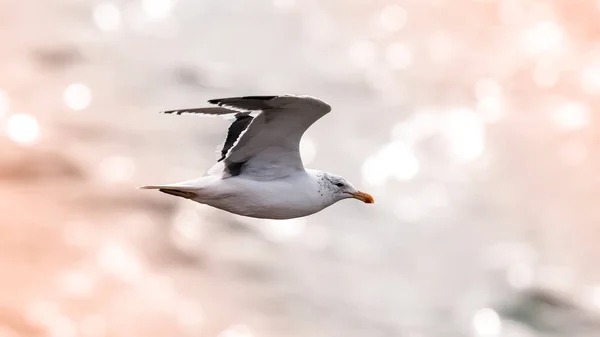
(471, 122)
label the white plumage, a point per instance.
(260, 172)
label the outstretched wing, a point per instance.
(267, 146)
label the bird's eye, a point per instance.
(339, 184)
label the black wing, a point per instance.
(235, 130)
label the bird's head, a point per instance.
(341, 189)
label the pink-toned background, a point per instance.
(473, 123)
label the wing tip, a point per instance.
(261, 98)
(219, 101)
(170, 112)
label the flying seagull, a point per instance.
(260, 173)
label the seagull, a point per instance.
(260, 173)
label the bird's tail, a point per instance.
(179, 191)
(190, 189)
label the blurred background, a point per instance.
(471, 122)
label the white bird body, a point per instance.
(261, 199)
(260, 172)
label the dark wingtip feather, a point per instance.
(168, 112)
(260, 98)
(235, 130)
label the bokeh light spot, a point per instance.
(406, 164)
(398, 56)
(157, 9)
(395, 159)
(590, 79)
(393, 17)
(489, 100)
(490, 109)
(115, 169)
(107, 16)
(571, 115)
(78, 96)
(465, 133)
(487, 323)
(23, 129)
(543, 37)
(595, 296)
(120, 261)
(374, 172)
(187, 231)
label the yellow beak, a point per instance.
(364, 197)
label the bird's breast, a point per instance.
(278, 199)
